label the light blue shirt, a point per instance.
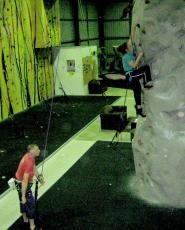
(126, 58)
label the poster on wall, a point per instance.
(89, 69)
(71, 67)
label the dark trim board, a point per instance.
(116, 38)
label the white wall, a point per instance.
(72, 82)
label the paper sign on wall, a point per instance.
(71, 66)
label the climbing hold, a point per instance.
(180, 114)
(140, 142)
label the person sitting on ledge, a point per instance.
(133, 73)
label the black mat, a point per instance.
(93, 195)
(69, 115)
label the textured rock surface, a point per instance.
(159, 142)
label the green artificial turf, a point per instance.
(94, 195)
(69, 115)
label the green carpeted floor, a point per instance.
(69, 115)
(93, 195)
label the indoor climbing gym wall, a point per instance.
(28, 31)
(159, 142)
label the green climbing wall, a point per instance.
(28, 30)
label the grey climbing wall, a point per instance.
(159, 142)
